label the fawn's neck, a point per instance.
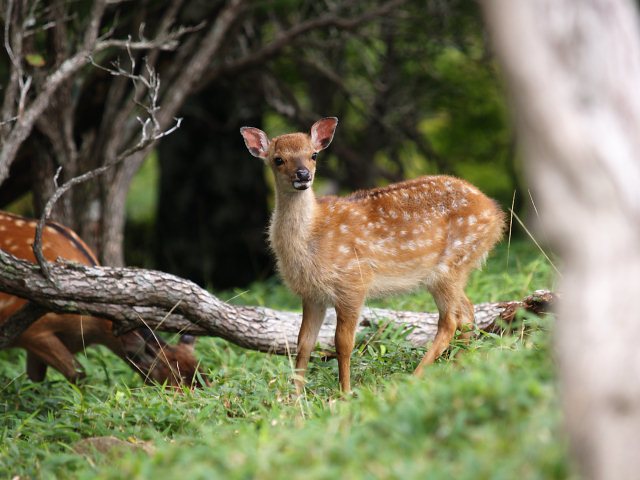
(291, 223)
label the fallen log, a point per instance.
(132, 297)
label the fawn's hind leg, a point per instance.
(456, 312)
(466, 318)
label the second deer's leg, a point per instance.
(50, 350)
(312, 318)
(36, 368)
(347, 322)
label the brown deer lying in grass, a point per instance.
(54, 338)
(430, 231)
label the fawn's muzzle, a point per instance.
(302, 179)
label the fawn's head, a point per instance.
(292, 157)
(158, 361)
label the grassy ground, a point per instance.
(489, 412)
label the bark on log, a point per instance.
(132, 297)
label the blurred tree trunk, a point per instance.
(573, 69)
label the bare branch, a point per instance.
(24, 125)
(169, 131)
(13, 56)
(95, 19)
(150, 133)
(13, 47)
(19, 85)
(9, 120)
(166, 41)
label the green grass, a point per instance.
(489, 412)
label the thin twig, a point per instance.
(9, 120)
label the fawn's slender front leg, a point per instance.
(312, 318)
(347, 321)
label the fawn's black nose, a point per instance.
(303, 174)
(302, 179)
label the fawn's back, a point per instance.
(416, 232)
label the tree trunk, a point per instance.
(573, 69)
(114, 213)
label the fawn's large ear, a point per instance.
(322, 132)
(256, 140)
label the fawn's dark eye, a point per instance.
(313, 157)
(278, 161)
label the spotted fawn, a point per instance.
(430, 231)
